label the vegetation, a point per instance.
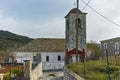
(10, 41)
(6, 77)
(95, 50)
(14, 72)
(96, 70)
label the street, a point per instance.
(52, 75)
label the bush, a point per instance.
(95, 70)
(7, 76)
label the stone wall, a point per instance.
(32, 74)
(70, 75)
(112, 45)
(27, 69)
(71, 31)
(36, 72)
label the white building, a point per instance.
(50, 51)
(21, 56)
(53, 60)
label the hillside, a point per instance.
(11, 41)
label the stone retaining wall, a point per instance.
(70, 75)
(32, 74)
(36, 72)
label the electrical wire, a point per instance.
(86, 5)
(100, 14)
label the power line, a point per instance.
(86, 5)
(100, 14)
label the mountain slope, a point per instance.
(11, 41)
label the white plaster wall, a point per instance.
(21, 56)
(53, 56)
(53, 63)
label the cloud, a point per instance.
(99, 28)
(45, 18)
(32, 20)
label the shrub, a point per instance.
(96, 70)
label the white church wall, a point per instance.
(53, 63)
(53, 56)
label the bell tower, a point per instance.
(75, 34)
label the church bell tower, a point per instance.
(75, 34)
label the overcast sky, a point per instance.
(45, 18)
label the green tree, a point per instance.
(95, 50)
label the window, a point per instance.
(34, 58)
(105, 45)
(79, 22)
(116, 46)
(47, 58)
(67, 23)
(59, 58)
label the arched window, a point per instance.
(116, 46)
(67, 23)
(79, 22)
(34, 58)
(105, 45)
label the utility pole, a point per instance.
(108, 68)
(77, 32)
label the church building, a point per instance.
(75, 35)
(56, 52)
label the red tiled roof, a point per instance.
(6, 68)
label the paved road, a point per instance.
(52, 75)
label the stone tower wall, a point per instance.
(71, 32)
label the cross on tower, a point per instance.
(78, 4)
